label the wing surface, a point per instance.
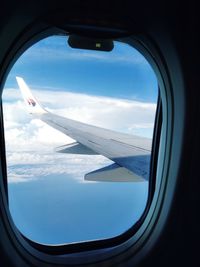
(130, 153)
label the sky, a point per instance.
(49, 200)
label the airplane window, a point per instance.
(78, 134)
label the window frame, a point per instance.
(94, 251)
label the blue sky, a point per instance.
(122, 73)
(49, 200)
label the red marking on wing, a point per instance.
(31, 102)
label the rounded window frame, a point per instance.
(92, 252)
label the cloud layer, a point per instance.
(31, 142)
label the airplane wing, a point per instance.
(130, 153)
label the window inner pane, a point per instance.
(69, 181)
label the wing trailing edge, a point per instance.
(113, 173)
(75, 148)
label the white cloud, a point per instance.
(30, 141)
(27, 166)
(18, 178)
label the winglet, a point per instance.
(33, 105)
